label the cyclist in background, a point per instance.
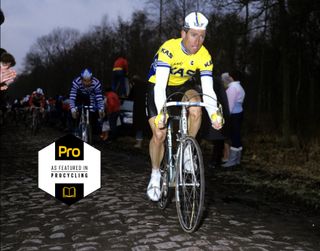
(86, 90)
(174, 64)
(37, 103)
(37, 99)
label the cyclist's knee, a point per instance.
(195, 113)
(158, 137)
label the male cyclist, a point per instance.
(174, 64)
(86, 90)
(37, 99)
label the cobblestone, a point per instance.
(119, 217)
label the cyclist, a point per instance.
(86, 90)
(174, 64)
(37, 99)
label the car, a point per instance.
(126, 117)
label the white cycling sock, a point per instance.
(155, 171)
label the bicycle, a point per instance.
(84, 128)
(182, 168)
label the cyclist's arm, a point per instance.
(43, 102)
(30, 102)
(162, 75)
(73, 94)
(207, 89)
(99, 96)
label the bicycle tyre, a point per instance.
(89, 133)
(190, 186)
(81, 131)
(164, 181)
(84, 133)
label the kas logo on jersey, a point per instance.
(69, 169)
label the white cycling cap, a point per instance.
(39, 91)
(195, 20)
(86, 74)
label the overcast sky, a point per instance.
(27, 20)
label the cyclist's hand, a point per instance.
(161, 120)
(217, 120)
(101, 114)
(74, 113)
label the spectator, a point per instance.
(1, 17)
(236, 95)
(140, 121)
(119, 76)
(7, 61)
(112, 107)
(7, 75)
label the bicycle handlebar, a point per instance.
(187, 103)
(168, 103)
(84, 106)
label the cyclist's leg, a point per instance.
(156, 148)
(158, 136)
(75, 122)
(94, 122)
(195, 113)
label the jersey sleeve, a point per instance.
(98, 94)
(205, 65)
(73, 93)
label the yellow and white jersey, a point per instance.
(182, 65)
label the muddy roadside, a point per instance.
(280, 185)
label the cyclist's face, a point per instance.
(193, 40)
(86, 82)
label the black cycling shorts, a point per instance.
(181, 89)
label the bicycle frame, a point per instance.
(85, 120)
(85, 114)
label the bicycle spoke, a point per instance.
(164, 182)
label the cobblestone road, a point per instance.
(119, 217)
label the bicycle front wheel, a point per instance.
(86, 133)
(164, 181)
(190, 185)
(35, 123)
